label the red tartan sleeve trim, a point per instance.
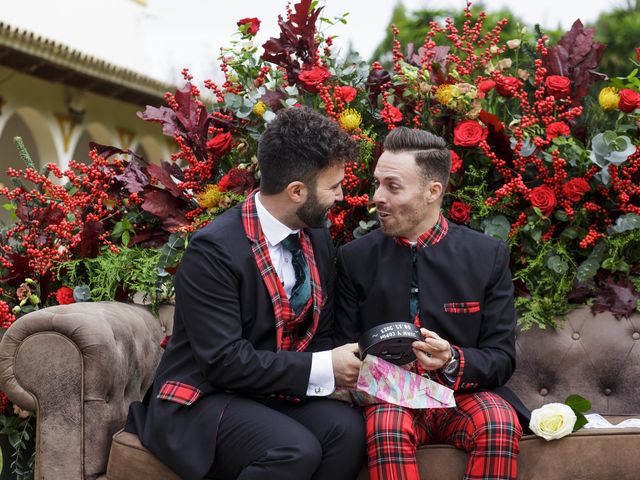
(179, 392)
(457, 384)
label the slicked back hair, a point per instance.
(297, 145)
(430, 151)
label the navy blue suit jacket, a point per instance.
(464, 268)
(223, 344)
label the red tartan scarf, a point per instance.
(287, 322)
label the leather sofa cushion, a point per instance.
(585, 455)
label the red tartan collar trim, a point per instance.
(250, 218)
(430, 237)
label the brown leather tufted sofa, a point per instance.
(79, 366)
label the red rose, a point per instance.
(507, 86)
(629, 100)
(638, 53)
(558, 85)
(64, 296)
(469, 133)
(456, 162)
(543, 198)
(237, 180)
(486, 85)
(575, 188)
(557, 128)
(347, 93)
(459, 212)
(253, 25)
(310, 79)
(220, 144)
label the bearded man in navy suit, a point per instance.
(241, 389)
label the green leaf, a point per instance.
(569, 233)
(578, 403)
(627, 222)
(561, 215)
(497, 226)
(126, 238)
(581, 421)
(587, 270)
(555, 263)
(536, 235)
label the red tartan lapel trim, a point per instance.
(283, 312)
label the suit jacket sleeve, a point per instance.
(347, 317)
(208, 304)
(493, 361)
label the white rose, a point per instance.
(513, 44)
(552, 421)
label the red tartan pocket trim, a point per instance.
(178, 392)
(462, 307)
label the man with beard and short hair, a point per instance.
(452, 282)
(241, 389)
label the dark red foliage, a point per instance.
(297, 46)
(576, 56)
(617, 295)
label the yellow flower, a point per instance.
(210, 198)
(444, 94)
(259, 108)
(609, 98)
(350, 119)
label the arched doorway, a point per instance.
(9, 157)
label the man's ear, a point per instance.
(434, 191)
(297, 192)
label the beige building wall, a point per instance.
(39, 112)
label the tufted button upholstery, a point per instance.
(593, 356)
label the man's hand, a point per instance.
(346, 365)
(433, 352)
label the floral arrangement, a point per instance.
(537, 161)
(544, 156)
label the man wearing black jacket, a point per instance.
(455, 284)
(239, 392)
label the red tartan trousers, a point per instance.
(482, 423)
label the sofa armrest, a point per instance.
(79, 367)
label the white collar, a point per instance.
(273, 229)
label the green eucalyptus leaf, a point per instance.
(497, 226)
(557, 264)
(587, 270)
(561, 215)
(624, 223)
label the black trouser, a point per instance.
(274, 439)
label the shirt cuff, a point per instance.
(321, 380)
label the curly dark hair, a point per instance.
(430, 151)
(297, 145)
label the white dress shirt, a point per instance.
(321, 379)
